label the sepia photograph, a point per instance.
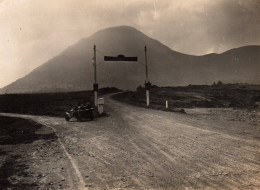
(129, 94)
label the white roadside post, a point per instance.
(147, 89)
(147, 98)
(166, 104)
(147, 83)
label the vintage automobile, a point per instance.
(80, 112)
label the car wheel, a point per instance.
(67, 118)
(79, 118)
(91, 116)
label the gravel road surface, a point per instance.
(137, 148)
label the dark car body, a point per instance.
(81, 112)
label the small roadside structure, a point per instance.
(101, 102)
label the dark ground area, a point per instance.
(14, 161)
(49, 104)
(16, 131)
(200, 96)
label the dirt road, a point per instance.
(137, 148)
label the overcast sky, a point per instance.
(33, 31)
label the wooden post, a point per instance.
(95, 86)
(95, 97)
(146, 66)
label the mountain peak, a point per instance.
(121, 28)
(72, 70)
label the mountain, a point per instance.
(72, 70)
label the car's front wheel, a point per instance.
(67, 118)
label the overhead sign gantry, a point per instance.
(121, 58)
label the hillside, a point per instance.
(72, 70)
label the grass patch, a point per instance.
(200, 96)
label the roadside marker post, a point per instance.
(147, 98)
(166, 104)
(147, 89)
(147, 83)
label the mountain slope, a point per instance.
(73, 69)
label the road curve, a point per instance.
(137, 148)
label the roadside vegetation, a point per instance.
(218, 95)
(200, 96)
(50, 104)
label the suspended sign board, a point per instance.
(119, 58)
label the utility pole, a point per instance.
(95, 85)
(147, 83)
(146, 67)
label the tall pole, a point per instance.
(146, 67)
(95, 65)
(147, 83)
(95, 85)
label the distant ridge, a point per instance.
(72, 70)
